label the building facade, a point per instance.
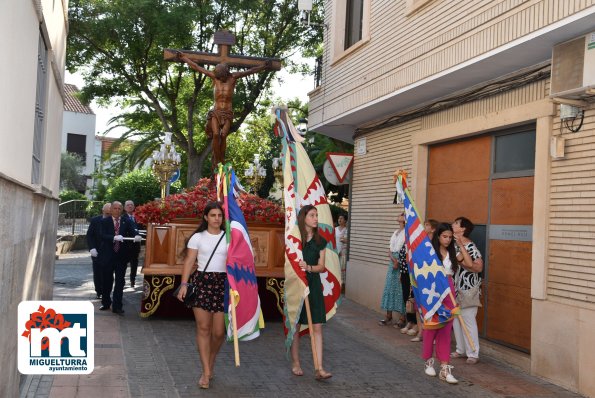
(78, 134)
(465, 96)
(31, 106)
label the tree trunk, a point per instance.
(195, 165)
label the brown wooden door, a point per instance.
(509, 275)
(458, 185)
(461, 183)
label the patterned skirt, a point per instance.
(392, 296)
(211, 290)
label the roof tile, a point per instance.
(73, 104)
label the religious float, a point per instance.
(172, 221)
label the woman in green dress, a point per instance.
(313, 249)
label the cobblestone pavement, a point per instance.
(137, 357)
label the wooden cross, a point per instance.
(223, 39)
(220, 117)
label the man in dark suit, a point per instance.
(113, 257)
(94, 244)
(132, 248)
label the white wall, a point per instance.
(29, 212)
(18, 24)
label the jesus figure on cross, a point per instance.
(220, 117)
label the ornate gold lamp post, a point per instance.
(255, 173)
(166, 162)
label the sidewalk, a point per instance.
(136, 357)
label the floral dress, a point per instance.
(392, 296)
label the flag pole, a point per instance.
(308, 313)
(234, 323)
(312, 339)
(460, 318)
(223, 178)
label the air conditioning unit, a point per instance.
(573, 68)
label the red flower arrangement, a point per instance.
(191, 203)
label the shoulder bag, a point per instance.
(470, 297)
(192, 289)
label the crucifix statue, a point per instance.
(220, 117)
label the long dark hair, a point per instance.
(301, 219)
(452, 252)
(204, 224)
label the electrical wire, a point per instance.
(484, 91)
(571, 127)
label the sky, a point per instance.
(294, 85)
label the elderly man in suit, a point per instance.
(113, 256)
(132, 248)
(94, 244)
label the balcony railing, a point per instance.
(318, 72)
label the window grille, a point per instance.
(40, 111)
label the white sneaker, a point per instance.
(429, 365)
(446, 375)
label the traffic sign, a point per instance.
(175, 177)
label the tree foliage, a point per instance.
(118, 45)
(71, 173)
(140, 186)
(67, 195)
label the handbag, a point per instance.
(191, 288)
(410, 306)
(470, 297)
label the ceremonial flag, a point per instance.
(241, 275)
(428, 278)
(301, 186)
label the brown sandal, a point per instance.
(401, 323)
(297, 371)
(204, 386)
(322, 375)
(385, 322)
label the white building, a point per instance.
(31, 106)
(78, 132)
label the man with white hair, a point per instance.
(94, 243)
(114, 230)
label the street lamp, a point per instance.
(255, 172)
(303, 126)
(278, 184)
(166, 162)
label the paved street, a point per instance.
(136, 357)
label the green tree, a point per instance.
(71, 173)
(118, 47)
(140, 186)
(67, 195)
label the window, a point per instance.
(40, 110)
(353, 22)
(514, 154)
(76, 144)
